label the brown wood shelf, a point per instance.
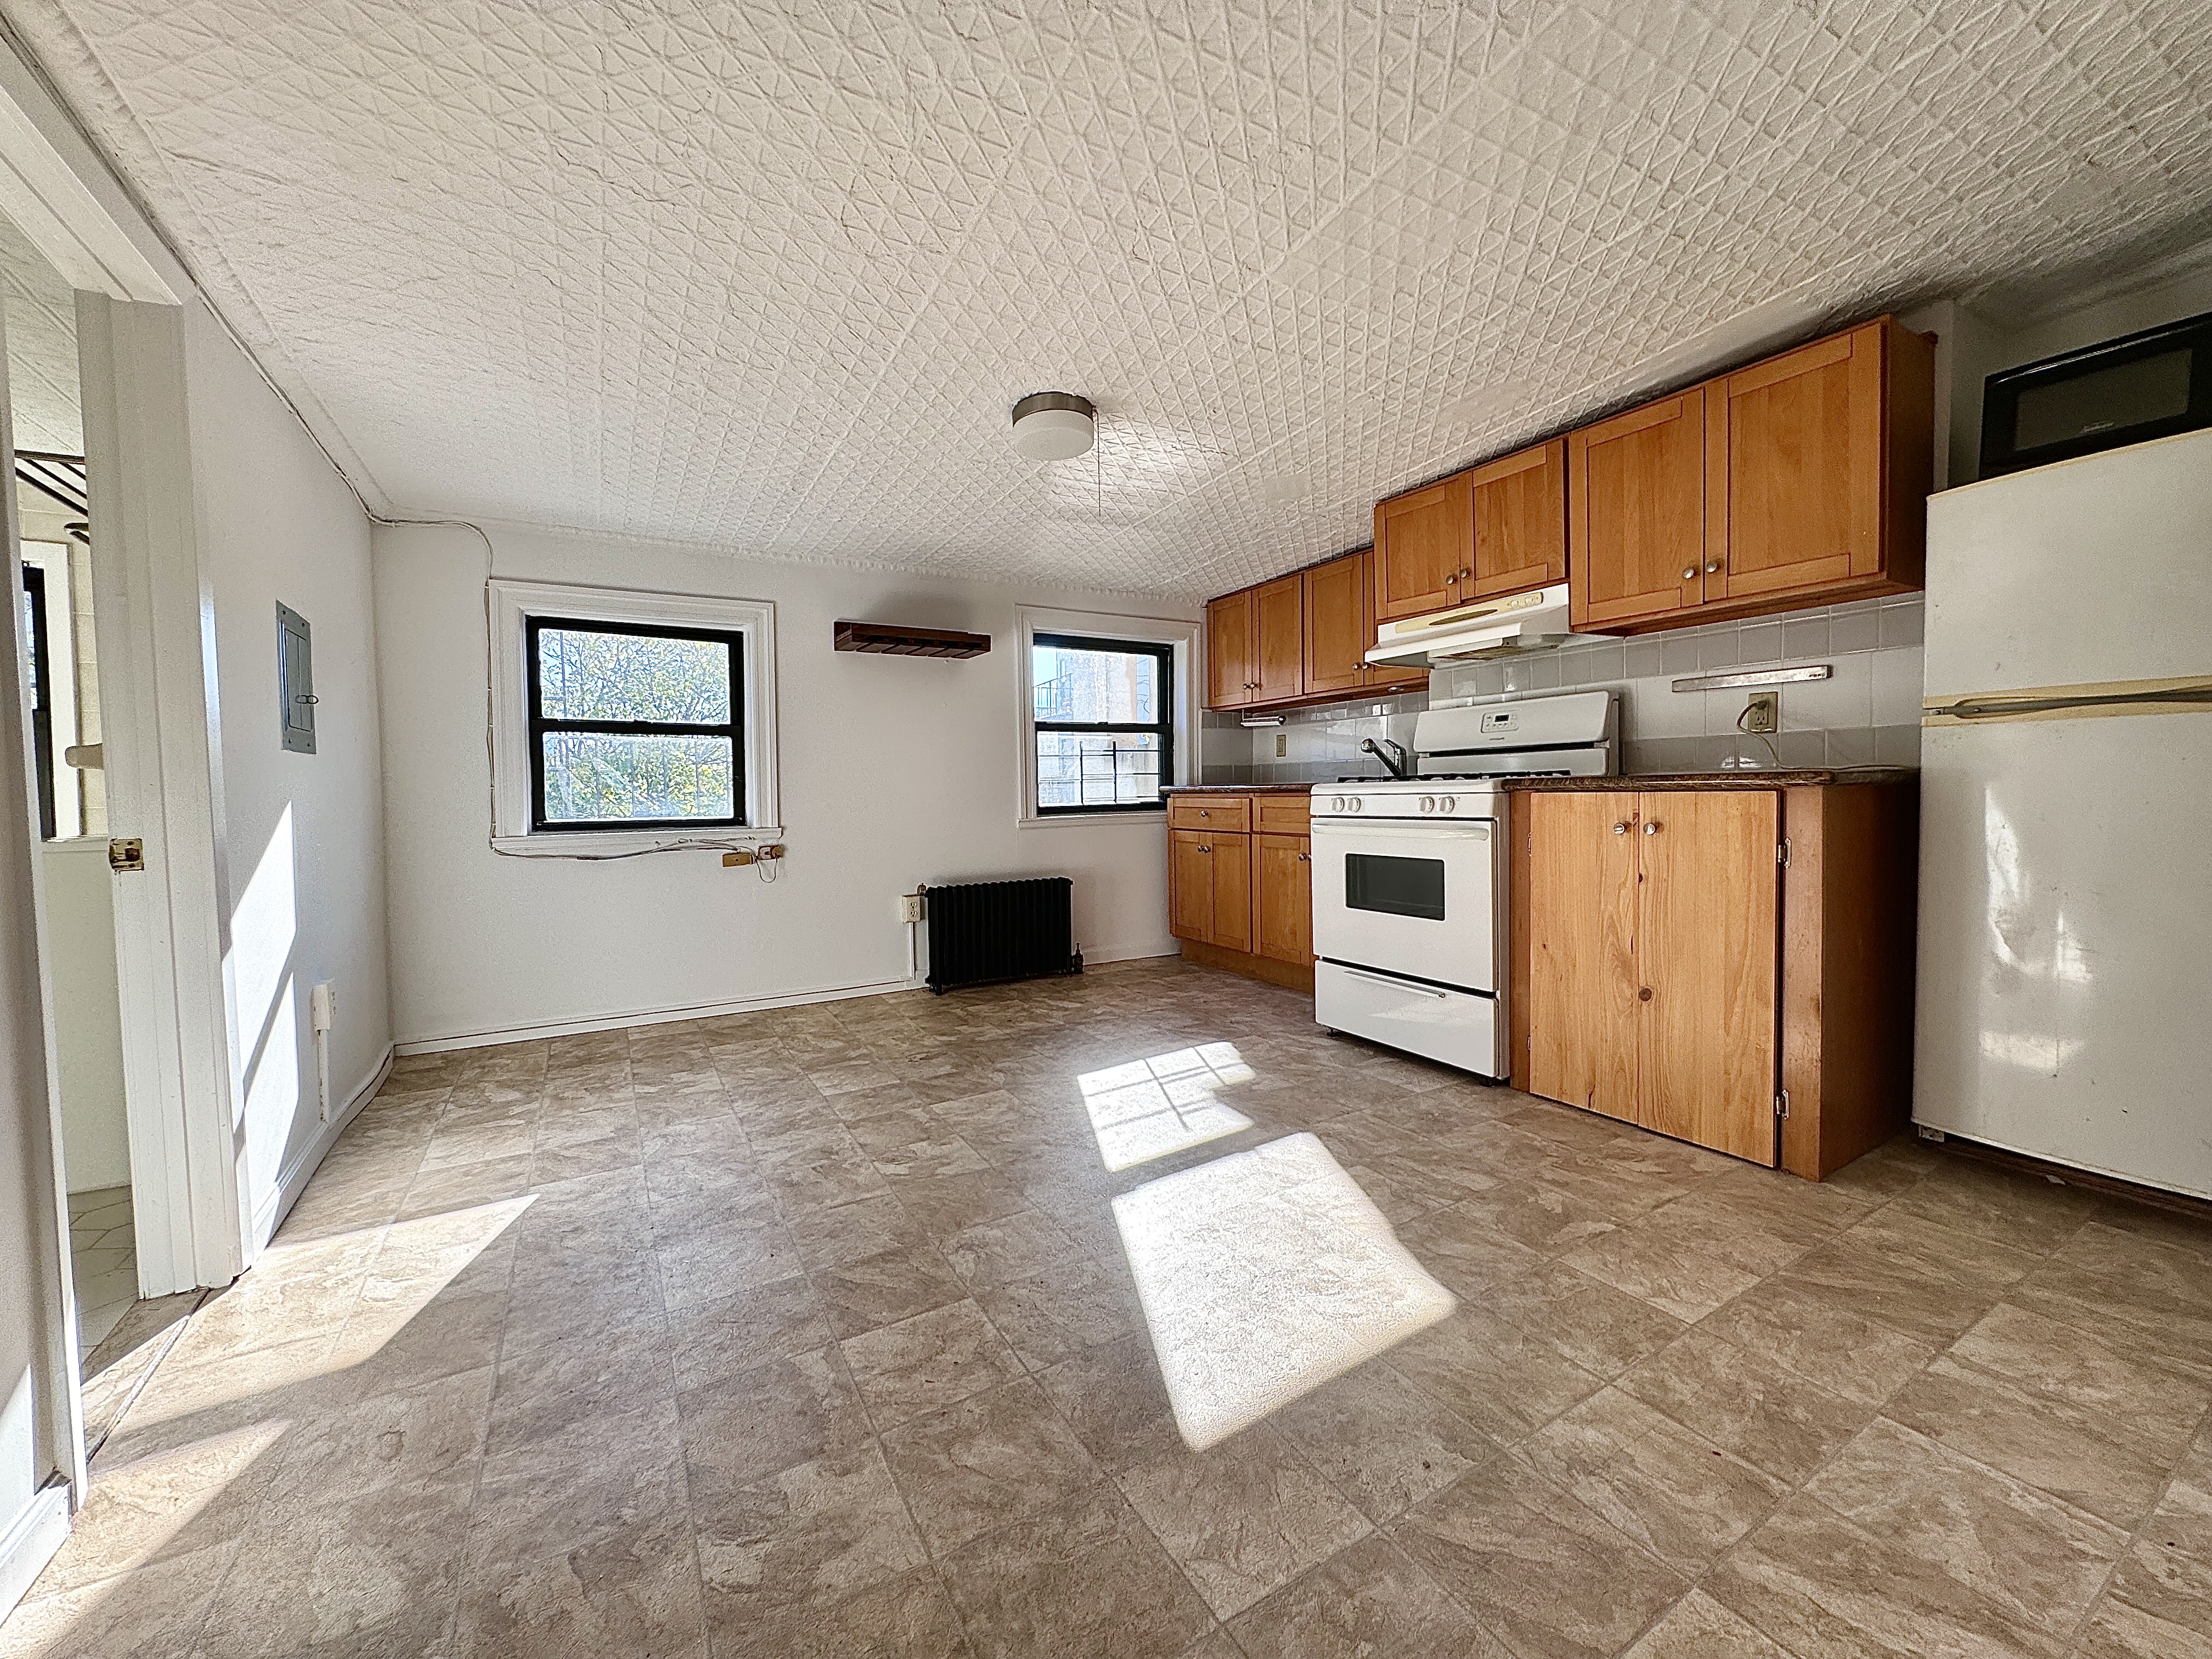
(897, 640)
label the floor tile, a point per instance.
(1496, 1377)
(1081, 1579)
(1744, 1403)
(1244, 1517)
(930, 1360)
(1598, 1327)
(806, 1537)
(743, 1427)
(992, 1458)
(1113, 1397)
(1382, 1442)
(1524, 1558)
(1698, 1627)
(882, 1290)
(1803, 1330)
(1370, 1598)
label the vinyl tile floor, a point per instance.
(810, 1333)
(103, 1261)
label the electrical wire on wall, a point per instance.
(765, 869)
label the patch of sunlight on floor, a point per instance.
(136, 1510)
(1150, 1108)
(419, 1258)
(1263, 1275)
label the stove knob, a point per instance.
(1336, 803)
(1428, 803)
(1357, 804)
(1447, 803)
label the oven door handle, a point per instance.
(1395, 984)
(1331, 827)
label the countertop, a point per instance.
(1771, 778)
(1240, 788)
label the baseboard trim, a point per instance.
(495, 1034)
(292, 1179)
(31, 1540)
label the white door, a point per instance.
(1417, 899)
(2064, 944)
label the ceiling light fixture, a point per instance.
(1055, 425)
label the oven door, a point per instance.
(1417, 899)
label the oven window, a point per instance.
(1396, 887)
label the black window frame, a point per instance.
(539, 725)
(1162, 652)
(42, 696)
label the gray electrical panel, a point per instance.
(295, 680)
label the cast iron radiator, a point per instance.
(984, 931)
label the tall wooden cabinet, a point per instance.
(1496, 528)
(1796, 481)
(1728, 966)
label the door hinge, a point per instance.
(1782, 1104)
(1782, 853)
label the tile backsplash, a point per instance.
(1867, 713)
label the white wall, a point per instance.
(894, 770)
(302, 834)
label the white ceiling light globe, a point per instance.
(1055, 425)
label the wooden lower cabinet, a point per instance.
(1282, 887)
(1242, 897)
(1729, 967)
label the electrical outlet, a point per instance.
(909, 907)
(1763, 712)
(1282, 745)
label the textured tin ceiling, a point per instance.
(767, 275)
(41, 316)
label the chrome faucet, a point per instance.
(1398, 763)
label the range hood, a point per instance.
(1534, 621)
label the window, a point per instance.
(628, 722)
(634, 727)
(1102, 711)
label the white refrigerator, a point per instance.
(2065, 945)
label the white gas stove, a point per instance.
(1409, 876)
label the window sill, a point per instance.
(1047, 820)
(619, 843)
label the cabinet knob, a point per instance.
(1453, 577)
(1306, 857)
(1712, 567)
(1652, 827)
(1467, 573)
(1689, 573)
(1644, 995)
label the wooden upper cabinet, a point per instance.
(1340, 628)
(1793, 456)
(1581, 944)
(1231, 680)
(1519, 509)
(1279, 640)
(1422, 540)
(1636, 513)
(1708, 950)
(1813, 469)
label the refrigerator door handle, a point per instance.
(1980, 708)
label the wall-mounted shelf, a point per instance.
(895, 640)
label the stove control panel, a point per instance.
(1405, 806)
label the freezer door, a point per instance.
(2083, 573)
(2066, 942)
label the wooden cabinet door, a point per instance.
(1793, 453)
(1229, 680)
(1190, 885)
(1232, 874)
(1282, 882)
(1338, 633)
(1707, 950)
(1422, 540)
(1636, 514)
(1582, 949)
(1279, 640)
(1520, 511)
